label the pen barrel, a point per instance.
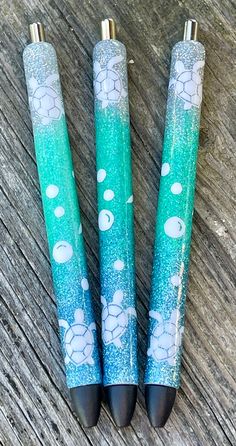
(115, 213)
(174, 215)
(62, 216)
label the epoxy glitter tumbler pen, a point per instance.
(115, 208)
(174, 225)
(64, 230)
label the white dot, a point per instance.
(130, 199)
(175, 280)
(59, 211)
(62, 252)
(105, 220)
(52, 191)
(165, 169)
(118, 296)
(174, 227)
(108, 195)
(101, 175)
(73, 174)
(176, 188)
(118, 265)
(80, 229)
(85, 284)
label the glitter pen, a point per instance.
(63, 227)
(115, 220)
(174, 226)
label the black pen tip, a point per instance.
(159, 403)
(86, 401)
(121, 400)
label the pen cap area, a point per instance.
(190, 30)
(37, 33)
(108, 29)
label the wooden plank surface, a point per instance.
(35, 408)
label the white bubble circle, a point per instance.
(175, 280)
(174, 227)
(130, 199)
(62, 252)
(108, 195)
(101, 175)
(52, 191)
(59, 211)
(118, 265)
(105, 220)
(165, 169)
(176, 188)
(85, 284)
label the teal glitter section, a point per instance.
(115, 201)
(174, 216)
(62, 216)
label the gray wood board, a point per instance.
(35, 407)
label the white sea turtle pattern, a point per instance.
(115, 319)
(165, 339)
(78, 340)
(108, 85)
(188, 83)
(45, 102)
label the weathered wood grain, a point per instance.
(35, 408)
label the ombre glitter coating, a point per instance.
(115, 214)
(174, 215)
(62, 216)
